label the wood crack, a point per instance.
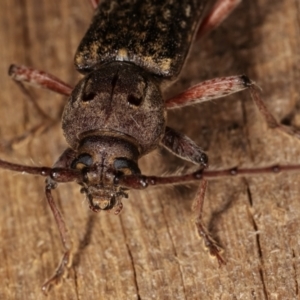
(260, 254)
(173, 248)
(76, 283)
(132, 261)
(295, 271)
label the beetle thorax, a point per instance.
(119, 99)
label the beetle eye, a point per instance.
(128, 167)
(82, 161)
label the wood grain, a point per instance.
(151, 251)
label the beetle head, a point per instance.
(100, 160)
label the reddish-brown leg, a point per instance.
(269, 118)
(212, 246)
(64, 163)
(221, 87)
(208, 90)
(61, 172)
(142, 182)
(21, 74)
(40, 79)
(182, 146)
(220, 11)
(66, 259)
(94, 3)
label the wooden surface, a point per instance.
(151, 251)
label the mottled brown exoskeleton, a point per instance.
(116, 114)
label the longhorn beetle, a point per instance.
(116, 113)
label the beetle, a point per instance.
(98, 150)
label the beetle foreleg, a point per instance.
(184, 147)
(65, 238)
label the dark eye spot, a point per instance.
(88, 96)
(133, 100)
(83, 160)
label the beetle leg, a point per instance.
(94, 3)
(209, 242)
(59, 173)
(40, 79)
(220, 11)
(269, 118)
(221, 87)
(65, 238)
(138, 181)
(209, 90)
(182, 146)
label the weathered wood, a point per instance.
(151, 251)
